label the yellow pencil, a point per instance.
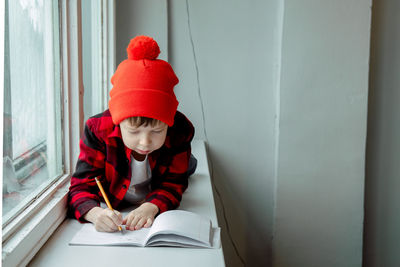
(106, 198)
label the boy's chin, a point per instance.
(143, 152)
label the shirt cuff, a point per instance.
(84, 208)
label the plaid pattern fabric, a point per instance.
(104, 155)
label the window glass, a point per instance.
(92, 57)
(32, 147)
(87, 50)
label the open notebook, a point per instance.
(176, 228)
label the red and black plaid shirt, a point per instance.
(104, 155)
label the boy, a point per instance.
(139, 148)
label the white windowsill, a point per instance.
(34, 226)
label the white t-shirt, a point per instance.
(140, 181)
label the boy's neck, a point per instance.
(137, 156)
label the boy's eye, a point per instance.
(158, 131)
(134, 132)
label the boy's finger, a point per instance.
(110, 225)
(134, 222)
(115, 216)
(129, 219)
(101, 226)
(140, 223)
(107, 221)
(149, 222)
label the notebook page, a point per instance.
(183, 223)
(88, 235)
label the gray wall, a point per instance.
(382, 197)
(279, 92)
(225, 54)
(133, 18)
(323, 96)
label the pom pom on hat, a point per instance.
(143, 47)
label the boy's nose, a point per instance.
(145, 140)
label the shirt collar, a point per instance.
(116, 132)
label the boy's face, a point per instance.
(143, 139)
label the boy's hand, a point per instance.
(142, 216)
(104, 220)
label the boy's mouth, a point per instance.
(143, 152)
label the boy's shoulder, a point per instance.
(181, 131)
(101, 123)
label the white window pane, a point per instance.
(27, 74)
(32, 153)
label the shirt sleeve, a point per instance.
(83, 191)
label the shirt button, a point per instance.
(124, 186)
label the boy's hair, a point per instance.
(145, 121)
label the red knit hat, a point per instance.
(143, 85)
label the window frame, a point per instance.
(24, 236)
(103, 58)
